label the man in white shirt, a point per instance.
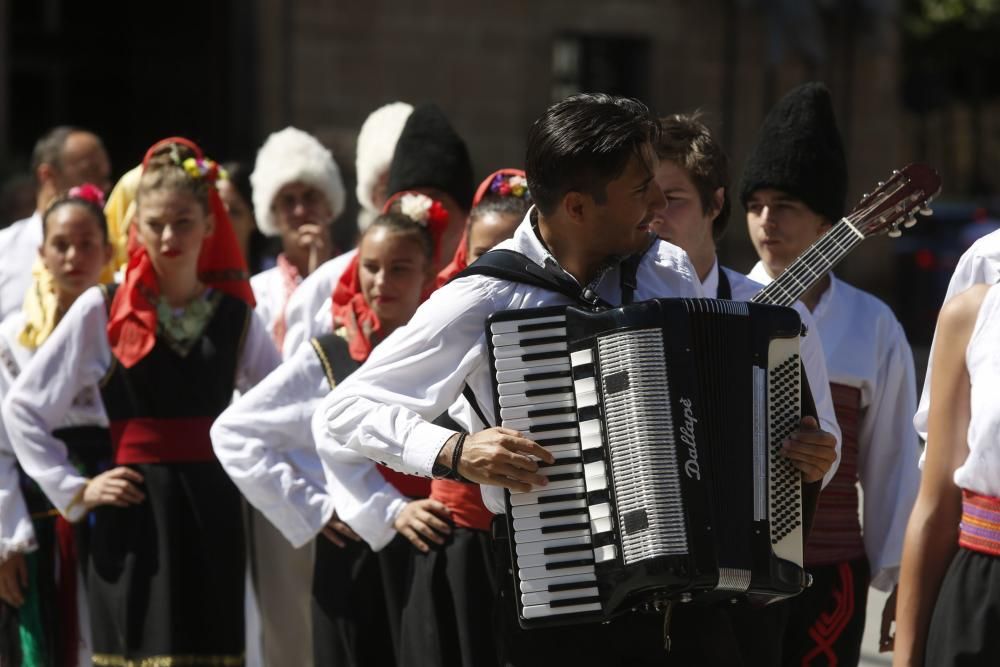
(63, 158)
(793, 188)
(590, 164)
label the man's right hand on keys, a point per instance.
(500, 457)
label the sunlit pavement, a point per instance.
(870, 657)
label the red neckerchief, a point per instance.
(221, 265)
(350, 310)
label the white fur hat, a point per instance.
(376, 144)
(291, 156)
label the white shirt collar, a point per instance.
(711, 282)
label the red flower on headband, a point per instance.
(88, 192)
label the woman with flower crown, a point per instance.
(167, 348)
(42, 556)
(264, 442)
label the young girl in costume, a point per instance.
(949, 586)
(265, 444)
(42, 555)
(167, 348)
(448, 615)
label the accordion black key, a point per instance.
(665, 419)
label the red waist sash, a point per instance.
(409, 485)
(465, 503)
(158, 440)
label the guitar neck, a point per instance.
(809, 267)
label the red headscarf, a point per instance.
(461, 258)
(349, 306)
(132, 321)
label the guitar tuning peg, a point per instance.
(926, 210)
(865, 196)
(894, 233)
(881, 184)
(909, 222)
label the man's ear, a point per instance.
(718, 197)
(575, 204)
(44, 173)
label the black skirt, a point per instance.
(964, 626)
(167, 575)
(448, 619)
(358, 597)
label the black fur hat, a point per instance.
(799, 151)
(430, 154)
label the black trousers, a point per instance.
(825, 624)
(447, 621)
(965, 626)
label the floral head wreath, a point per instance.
(506, 182)
(87, 192)
(509, 185)
(197, 167)
(423, 210)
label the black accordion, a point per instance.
(666, 419)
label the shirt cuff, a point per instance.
(423, 446)
(74, 488)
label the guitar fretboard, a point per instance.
(810, 266)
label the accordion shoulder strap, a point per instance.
(515, 267)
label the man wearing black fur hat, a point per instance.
(794, 187)
(432, 159)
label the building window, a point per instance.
(614, 64)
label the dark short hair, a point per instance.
(687, 142)
(584, 142)
(502, 205)
(48, 149)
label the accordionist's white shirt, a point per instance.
(866, 348)
(309, 310)
(16, 531)
(418, 372)
(77, 355)
(979, 264)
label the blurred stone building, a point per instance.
(227, 72)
